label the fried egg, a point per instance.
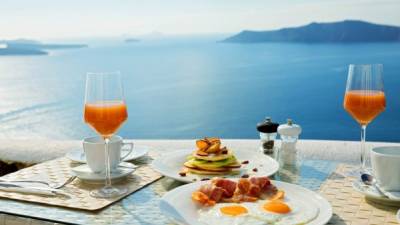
(229, 214)
(279, 212)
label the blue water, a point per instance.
(190, 89)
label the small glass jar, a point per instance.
(268, 133)
(289, 134)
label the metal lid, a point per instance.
(267, 126)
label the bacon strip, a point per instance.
(228, 186)
(224, 190)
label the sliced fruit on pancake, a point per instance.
(191, 166)
(233, 165)
(212, 140)
(221, 169)
(227, 167)
(201, 153)
(207, 167)
(207, 172)
(229, 162)
(214, 148)
(202, 144)
(213, 157)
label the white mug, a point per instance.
(386, 167)
(94, 152)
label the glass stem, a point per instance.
(363, 150)
(107, 162)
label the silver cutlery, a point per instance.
(52, 186)
(369, 180)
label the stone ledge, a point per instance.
(28, 152)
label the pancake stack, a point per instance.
(211, 159)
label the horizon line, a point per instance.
(154, 35)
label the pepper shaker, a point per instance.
(268, 134)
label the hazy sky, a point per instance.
(87, 18)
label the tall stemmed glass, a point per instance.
(105, 111)
(364, 100)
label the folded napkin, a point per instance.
(25, 190)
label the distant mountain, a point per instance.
(31, 44)
(131, 40)
(345, 31)
(19, 51)
(31, 47)
(62, 46)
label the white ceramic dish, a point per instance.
(78, 155)
(185, 211)
(171, 164)
(372, 194)
(84, 173)
(385, 163)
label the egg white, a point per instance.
(213, 215)
(302, 212)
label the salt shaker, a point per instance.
(289, 134)
(268, 134)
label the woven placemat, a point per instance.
(76, 193)
(351, 207)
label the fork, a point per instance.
(55, 186)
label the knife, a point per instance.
(10, 187)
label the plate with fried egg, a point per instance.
(283, 204)
(211, 158)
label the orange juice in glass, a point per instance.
(105, 111)
(364, 106)
(105, 117)
(364, 100)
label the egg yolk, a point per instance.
(277, 207)
(233, 210)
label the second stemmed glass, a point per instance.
(105, 111)
(364, 100)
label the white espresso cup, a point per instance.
(386, 167)
(95, 154)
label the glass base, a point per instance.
(108, 192)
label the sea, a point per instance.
(190, 88)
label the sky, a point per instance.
(47, 19)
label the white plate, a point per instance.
(185, 211)
(78, 155)
(370, 193)
(84, 173)
(171, 164)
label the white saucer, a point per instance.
(84, 173)
(78, 155)
(372, 194)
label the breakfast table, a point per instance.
(319, 169)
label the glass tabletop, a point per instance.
(142, 208)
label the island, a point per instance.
(31, 47)
(348, 31)
(131, 40)
(17, 51)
